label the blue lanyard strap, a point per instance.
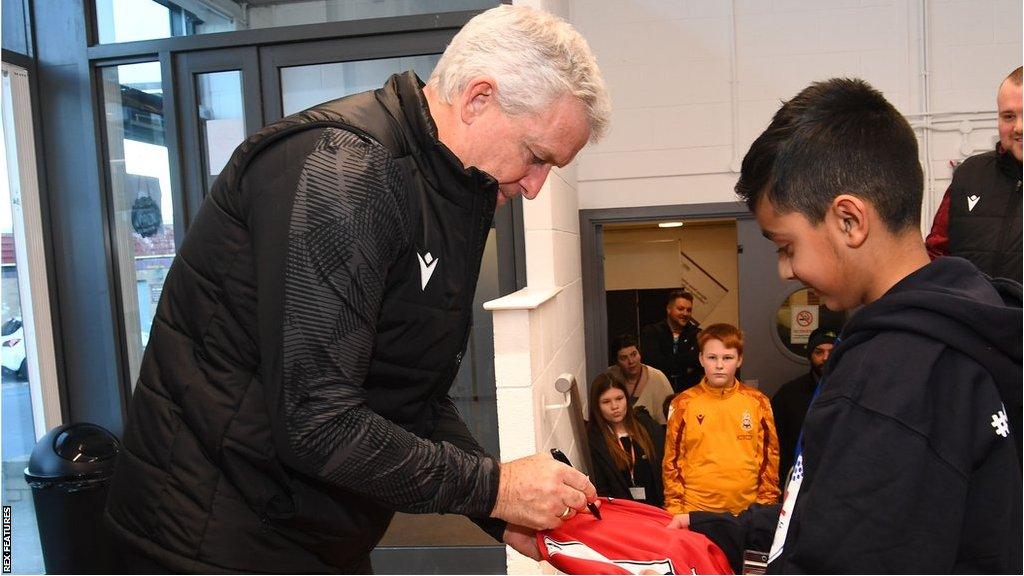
(800, 439)
(817, 391)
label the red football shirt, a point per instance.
(631, 539)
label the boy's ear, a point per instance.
(478, 94)
(848, 217)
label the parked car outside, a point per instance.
(15, 364)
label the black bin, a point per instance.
(69, 473)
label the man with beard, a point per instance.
(671, 344)
(789, 405)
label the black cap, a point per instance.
(821, 335)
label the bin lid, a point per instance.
(73, 451)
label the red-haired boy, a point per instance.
(721, 450)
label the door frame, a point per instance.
(30, 220)
(592, 222)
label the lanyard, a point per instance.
(817, 391)
(796, 478)
(632, 459)
(800, 438)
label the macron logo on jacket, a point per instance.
(972, 201)
(427, 265)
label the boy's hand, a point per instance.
(522, 540)
(679, 521)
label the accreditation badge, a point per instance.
(786, 514)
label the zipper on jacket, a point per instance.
(480, 223)
(1008, 216)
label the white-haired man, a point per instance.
(294, 393)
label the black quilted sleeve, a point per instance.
(347, 225)
(451, 428)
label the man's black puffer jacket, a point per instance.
(985, 214)
(293, 393)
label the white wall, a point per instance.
(538, 331)
(681, 124)
(538, 335)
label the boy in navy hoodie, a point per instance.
(909, 459)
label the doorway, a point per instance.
(730, 267)
(644, 261)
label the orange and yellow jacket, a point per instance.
(721, 450)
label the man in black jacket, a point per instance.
(909, 458)
(980, 215)
(294, 392)
(790, 402)
(671, 344)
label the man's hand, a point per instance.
(679, 521)
(535, 492)
(522, 540)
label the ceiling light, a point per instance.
(669, 224)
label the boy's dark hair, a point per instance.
(675, 295)
(834, 137)
(623, 341)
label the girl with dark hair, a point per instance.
(626, 445)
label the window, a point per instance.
(798, 315)
(141, 196)
(306, 86)
(17, 28)
(29, 377)
(130, 20)
(221, 118)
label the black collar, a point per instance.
(437, 162)
(1007, 163)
